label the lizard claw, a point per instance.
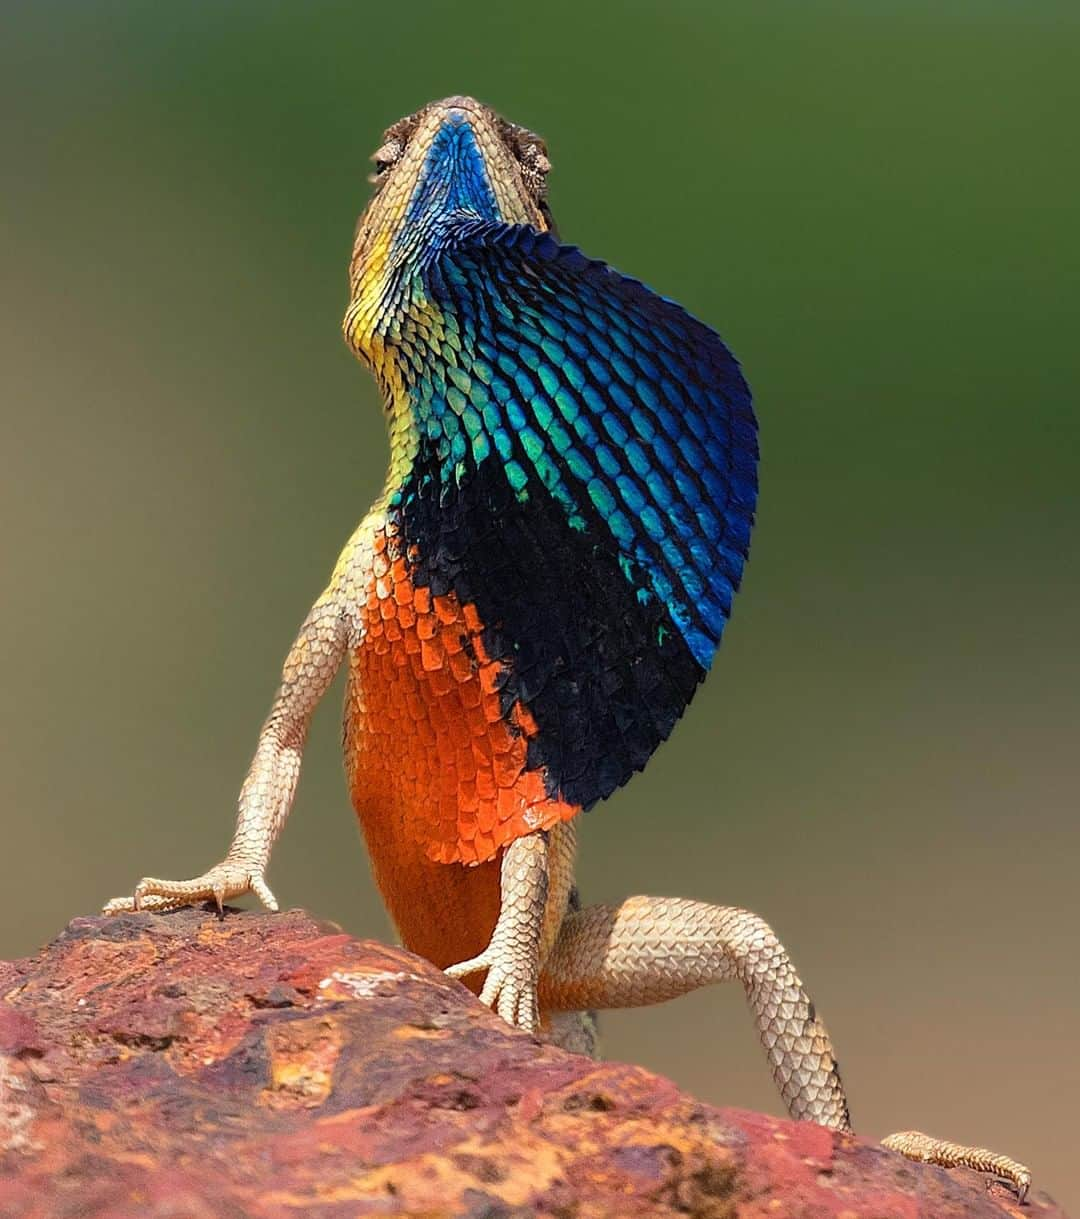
(262, 891)
(228, 879)
(508, 989)
(463, 968)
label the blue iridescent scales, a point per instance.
(566, 402)
(617, 396)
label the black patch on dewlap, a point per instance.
(604, 675)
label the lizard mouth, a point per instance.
(459, 104)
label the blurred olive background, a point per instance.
(875, 204)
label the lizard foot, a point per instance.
(228, 879)
(926, 1150)
(510, 986)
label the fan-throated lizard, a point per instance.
(528, 607)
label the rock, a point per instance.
(184, 1067)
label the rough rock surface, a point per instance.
(184, 1067)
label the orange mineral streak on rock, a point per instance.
(437, 772)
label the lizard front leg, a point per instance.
(651, 948)
(512, 957)
(535, 877)
(267, 794)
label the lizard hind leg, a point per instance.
(650, 949)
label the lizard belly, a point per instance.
(436, 761)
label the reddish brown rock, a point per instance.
(182, 1067)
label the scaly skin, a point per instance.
(528, 608)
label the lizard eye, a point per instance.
(532, 157)
(386, 156)
(535, 156)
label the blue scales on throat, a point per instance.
(586, 476)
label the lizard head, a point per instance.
(453, 156)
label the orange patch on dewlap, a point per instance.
(429, 753)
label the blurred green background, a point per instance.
(877, 206)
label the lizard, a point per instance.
(528, 608)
